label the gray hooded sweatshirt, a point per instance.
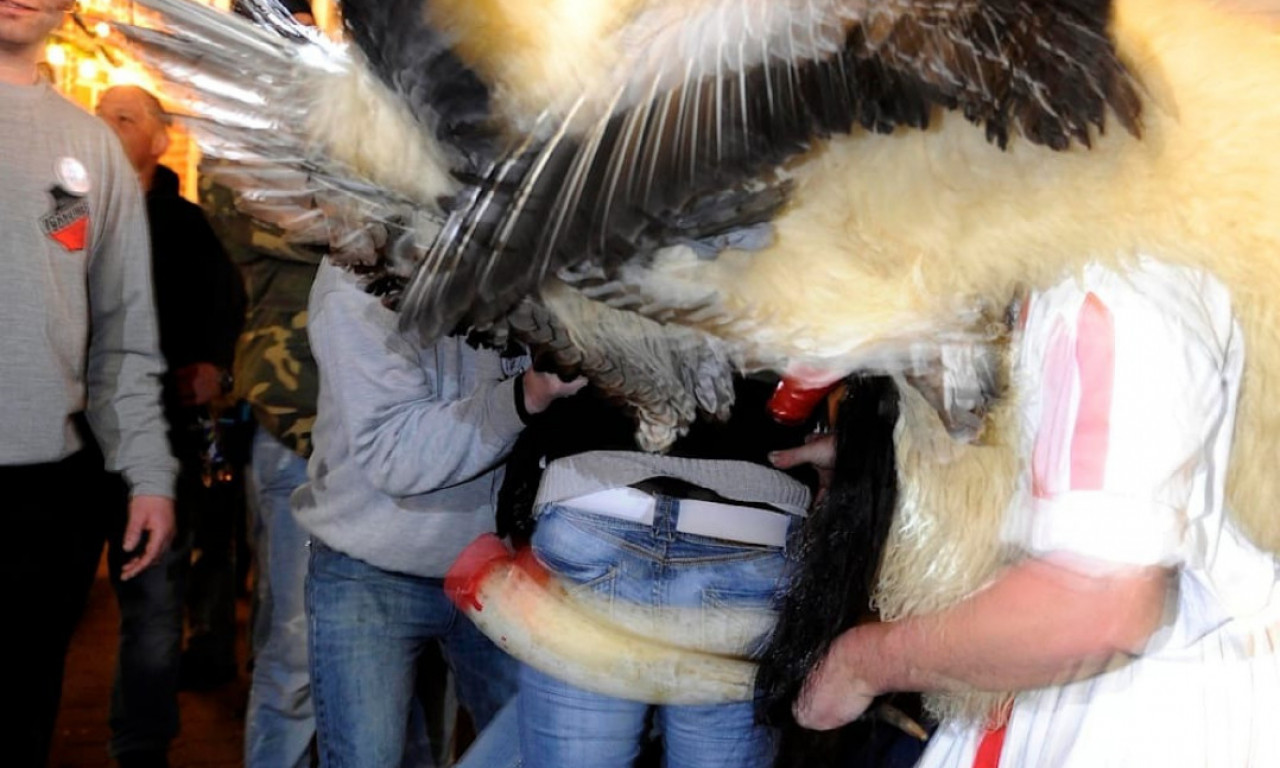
(409, 440)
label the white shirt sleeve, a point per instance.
(1126, 390)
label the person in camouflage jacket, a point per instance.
(274, 370)
(276, 375)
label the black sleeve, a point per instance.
(223, 304)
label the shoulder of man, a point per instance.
(245, 238)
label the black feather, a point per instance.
(415, 61)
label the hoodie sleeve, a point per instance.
(221, 321)
(418, 419)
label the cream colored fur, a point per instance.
(946, 538)
(535, 55)
(548, 55)
(890, 237)
(358, 123)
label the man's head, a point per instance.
(140, 122)
(24, 25)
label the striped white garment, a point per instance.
(1129, 382)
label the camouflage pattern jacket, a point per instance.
(274, 370)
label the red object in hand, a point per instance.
(793, 402)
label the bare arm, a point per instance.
(1038, 623)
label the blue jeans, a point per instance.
(561, 725)
(279, 724)
(498, 745)
(369, 628)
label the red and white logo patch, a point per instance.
(68, 223)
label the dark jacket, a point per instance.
(200, 300)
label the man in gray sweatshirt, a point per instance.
(79, 339)
(408, 449)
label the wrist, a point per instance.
(522, 409)
(861, 650)
(537, 396)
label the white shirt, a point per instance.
(1129, 383)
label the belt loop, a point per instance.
(664, 518)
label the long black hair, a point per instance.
(839, 556)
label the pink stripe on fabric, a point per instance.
(1096, 367)
(1056, 389)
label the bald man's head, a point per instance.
(140, 121)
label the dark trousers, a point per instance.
(213, 514)
(144, 692)
(55, 517)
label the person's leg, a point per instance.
(561, 725)
(210, 657)
(280, 722)
(726, 582)
(144, 693)
(485, 674)
(719, 736)
(498, 744)
(52, 515)
(367, 629)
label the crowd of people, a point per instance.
(136, 322)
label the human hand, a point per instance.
(152, 515)
(834, 693)
(541, 389)
(199, 383)
(819, 449)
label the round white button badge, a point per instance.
(73, 176)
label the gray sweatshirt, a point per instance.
(76, 302)
(408, 441)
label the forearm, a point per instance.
(124, 362)
(1038, 624)
(124, 411)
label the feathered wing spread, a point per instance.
(494, 147)
(360, 154)
(275, 100)
(623, 115)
